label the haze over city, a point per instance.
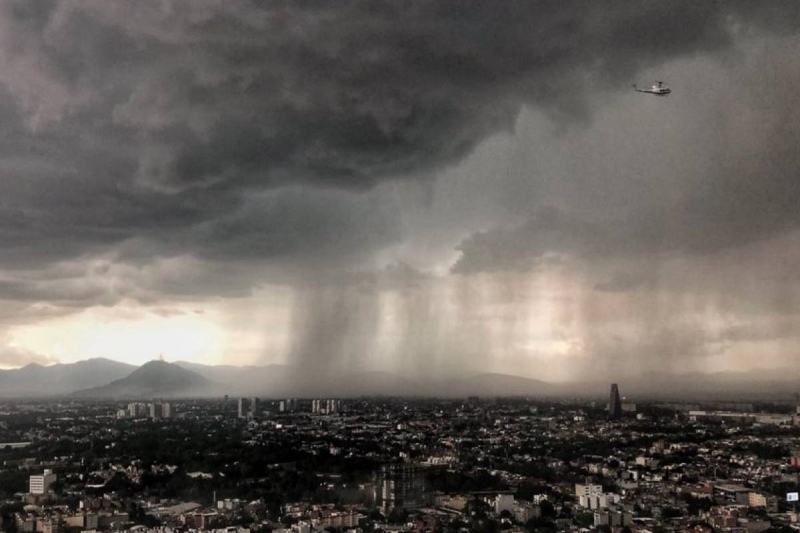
(431, 189)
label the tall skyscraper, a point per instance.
(614, 403)
(242, 407)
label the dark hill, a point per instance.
(154, 379)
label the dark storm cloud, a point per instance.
(161, 128)
(304, 226)
(75, 293)
(347, 96)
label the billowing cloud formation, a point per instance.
(184, 150)
(158, 121)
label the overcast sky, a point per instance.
(428, 187)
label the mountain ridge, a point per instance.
(99, 376)
(153, 379)
(60, 378)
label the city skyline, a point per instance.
(443, 189)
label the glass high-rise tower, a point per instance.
(614, 403)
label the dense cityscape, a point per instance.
(398, 464)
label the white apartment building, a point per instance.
(41, 484)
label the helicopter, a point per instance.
(659, 89)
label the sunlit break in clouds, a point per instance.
(432, 189)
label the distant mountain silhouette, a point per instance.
(36, 380)
(294, 382)
(244, 380)
(492, 384)
(154, 379)
(104, 378)
(756, 384)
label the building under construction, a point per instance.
(402, 486)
